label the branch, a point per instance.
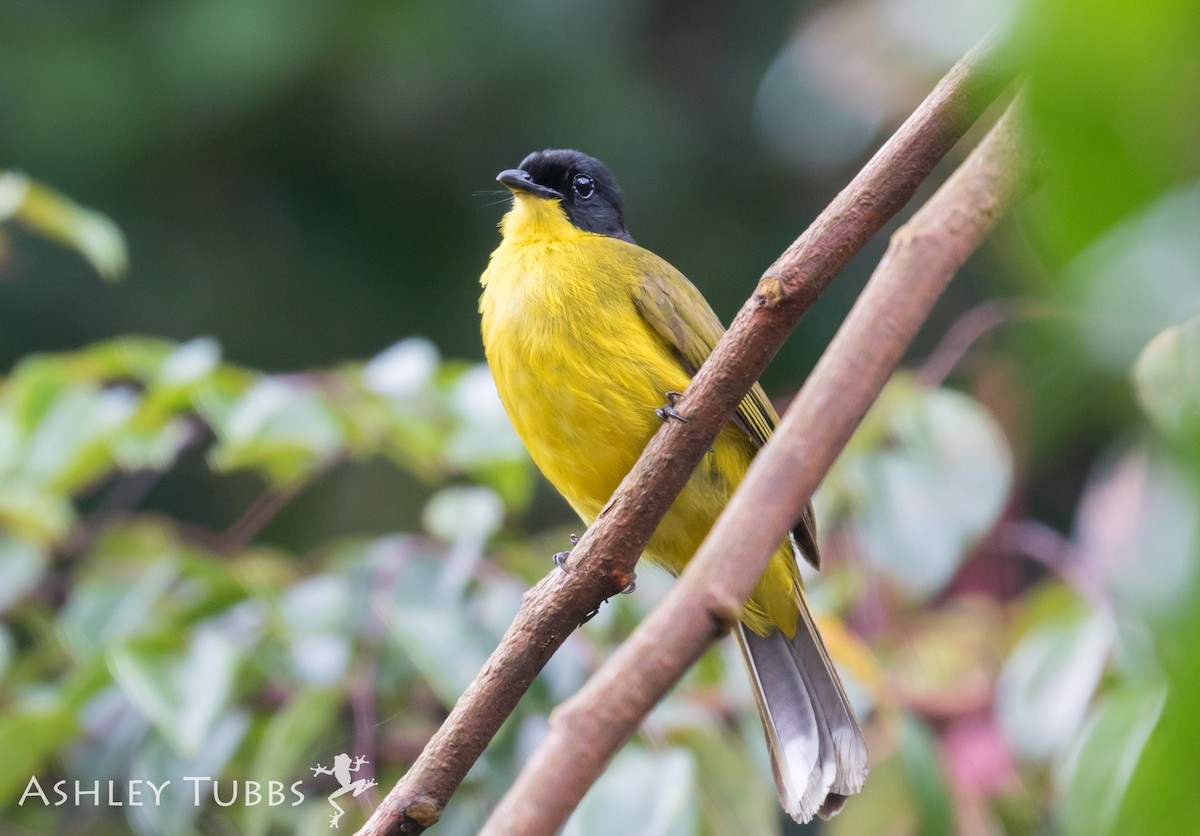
(602, 564)
(922, 258)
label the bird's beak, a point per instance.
(518, 180)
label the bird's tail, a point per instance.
(817, 750)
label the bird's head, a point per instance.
(579, 187)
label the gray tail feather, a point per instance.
(817, 750)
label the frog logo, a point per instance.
(342, 767)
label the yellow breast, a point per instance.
(577, 367)
(581, 372)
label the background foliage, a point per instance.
(259, 504)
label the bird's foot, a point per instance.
(630, 587)
(560, 558)
(667, 410)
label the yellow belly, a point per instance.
(581, 372)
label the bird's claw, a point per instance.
(626, 591)
(667, 410)
(560, 558)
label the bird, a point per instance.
(590, 338)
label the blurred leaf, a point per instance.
(1167, 376)
(885, 805)
(56, 216)
(484, 443)
(34, 515)
(1161, 795)
(934, 485)
(284, 429)
(926, 782)
(69, 447)
(1158, 247)
(115, 601)
(1095, 773)
(1112, 91)
(1138, 507)
(317, 610)
(643, 792)
(446, 647)
(405, 371)
(30, 735)
(456, 513)
(946, 661)
(856, 663)
(158, 757)
(734, 798)
(134, 357)
(287, 743)
(183, 695)
(189, 363)
(6, 651)
(21, 566)
(1049, 679)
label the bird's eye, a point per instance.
(584, 186)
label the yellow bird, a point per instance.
(589, 337)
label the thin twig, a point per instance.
(971, 327)
(255, 518)
(602, 564)
(922, 258)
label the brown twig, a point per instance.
(602, 564)
(922, 258)
(971, 327)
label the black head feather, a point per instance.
(588, 191)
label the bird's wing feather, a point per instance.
(680, 315)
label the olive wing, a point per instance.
(680, 315)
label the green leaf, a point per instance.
(7, 649)
(933, 485)
(1137, 279)
(68, 447)
(317, 611)
(159, 759)
(885, 805)
(1107, 85)
(925, 779)
(1095, 773)
(115, 601)
(1139, 506)
(56, 216)
(288, 743)
(446, 648)
(463, 513)
(21, 566)
(484, 434)
(1167, 377)
(405, 371)
(1049, 679)
(30, 735)
(285, 430)
(734, 797)
(182, 695)
(643, 792)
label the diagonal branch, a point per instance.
(602, 564)
(921, 260)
